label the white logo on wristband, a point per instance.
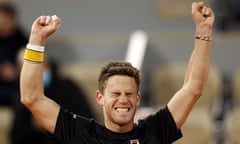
(36, 48)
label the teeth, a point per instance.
(122, 109)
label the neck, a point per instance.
(118, 127)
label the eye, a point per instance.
(129, 94)
(116, 94)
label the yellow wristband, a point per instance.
(34, 56)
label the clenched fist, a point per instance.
(203, 17)
(42, 28)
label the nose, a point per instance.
(123, 99)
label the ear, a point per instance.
(138, 98)
(99, 97)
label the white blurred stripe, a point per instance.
(136, 48)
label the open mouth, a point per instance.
(122, 109)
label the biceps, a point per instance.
(46, 112)
(181, 104)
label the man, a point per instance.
(118, 93)
(12, 38)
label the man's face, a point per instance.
(120, 100)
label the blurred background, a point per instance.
(96, 31)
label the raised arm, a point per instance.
(197, 71)
(31, 82)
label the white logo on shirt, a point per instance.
(134, 141)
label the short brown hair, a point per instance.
(117, 68)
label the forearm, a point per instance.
(197, 71)
(31, 82)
